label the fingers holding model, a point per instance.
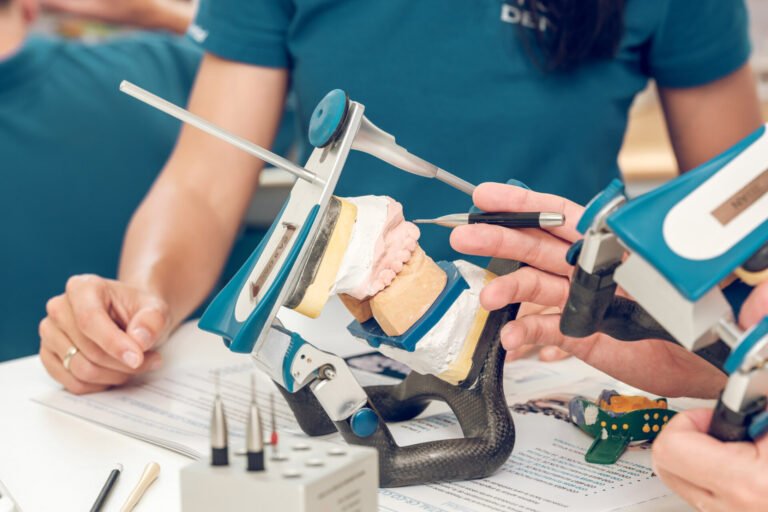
(546, 285)
(100, 333)
(711, 475)
(546, 282)
(755, 307)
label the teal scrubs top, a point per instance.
(77, 156)
(453, 81)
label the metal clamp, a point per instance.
(330, 380)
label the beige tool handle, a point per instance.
(147, 478)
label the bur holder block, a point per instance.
(316, 476)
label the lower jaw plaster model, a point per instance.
(369, 255)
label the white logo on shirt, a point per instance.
(197, 33)
(520, 13)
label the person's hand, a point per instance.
(691, 462)
(173, 15)
(548, 353)
(114, 328)
(711, 475)
(657, 366)
(755, 308)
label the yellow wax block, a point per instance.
(319, 290)
(461, 367)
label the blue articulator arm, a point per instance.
(638, 225)
(219, 318)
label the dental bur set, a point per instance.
(308, 475)
(319, 387)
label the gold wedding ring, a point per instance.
(68, 356)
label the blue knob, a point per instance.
(364, 422)
(328, 118)
(572, 256)
(759, 426)
(614, 189)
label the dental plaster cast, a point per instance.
(381, 243)
(446, 350)
(410, 295)
(368, 254)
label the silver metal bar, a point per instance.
(218, 132)
(373, 140)
(454, 181)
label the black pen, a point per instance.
(108, 485)
(504, 219)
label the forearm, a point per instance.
(180, 236)
(171, 15)
(175, 247)
(705, 121)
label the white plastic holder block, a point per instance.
(309, 475)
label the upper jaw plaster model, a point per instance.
(380, 245)
(369, 255)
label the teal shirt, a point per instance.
(77, 156)
(453, 82)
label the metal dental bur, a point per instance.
(254, 433)
(219, 445)
(218, 132)
(506, 219)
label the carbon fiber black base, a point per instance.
(479, 406)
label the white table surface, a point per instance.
(52, 461)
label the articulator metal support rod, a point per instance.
(210, 128)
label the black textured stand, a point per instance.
(479, 405)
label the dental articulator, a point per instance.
(423, 313)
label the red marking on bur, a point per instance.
(273, 439)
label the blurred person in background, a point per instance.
(169, 15)
(76, 155)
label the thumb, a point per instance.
(149, 323)
(755, 307)
(697, 420)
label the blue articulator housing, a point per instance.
(220, 318)
(371, 332)
(640, 226)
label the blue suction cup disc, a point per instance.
(328, 118)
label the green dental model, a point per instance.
(616, 420)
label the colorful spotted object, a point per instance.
(616, 420)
